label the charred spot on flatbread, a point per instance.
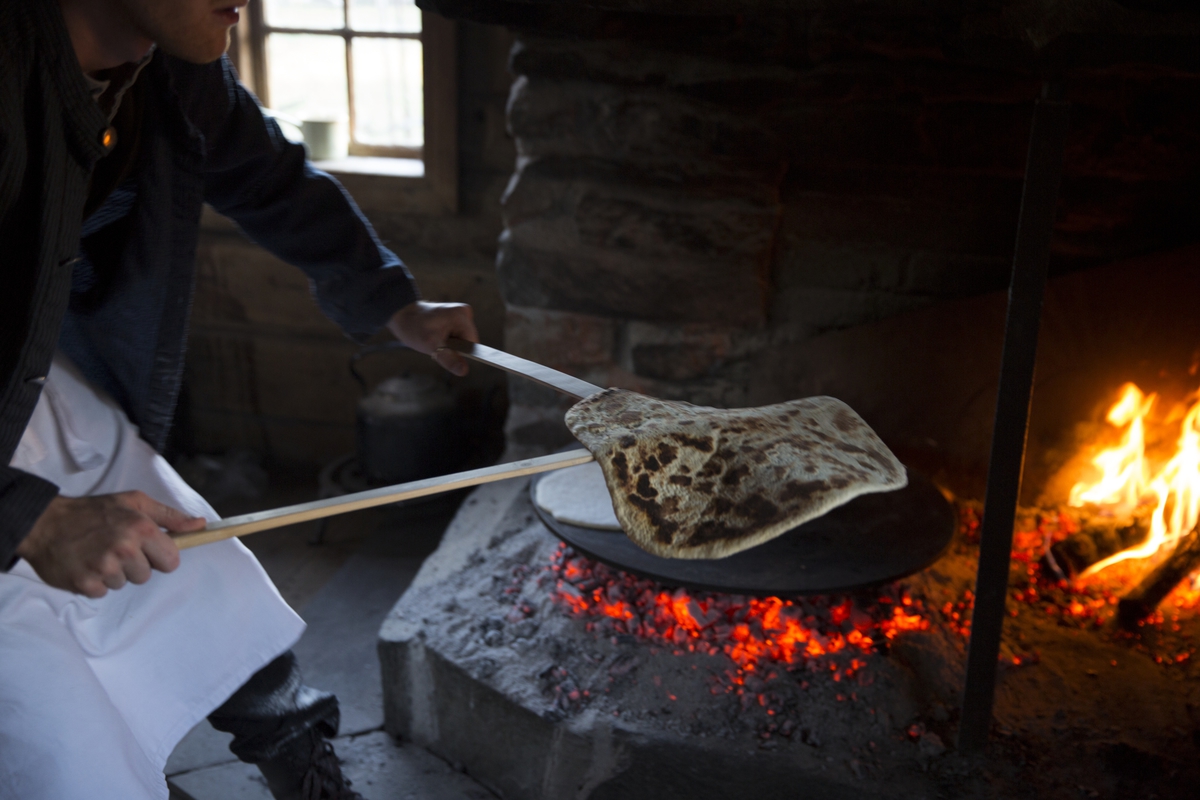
(695, 482)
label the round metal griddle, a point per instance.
(873, 539)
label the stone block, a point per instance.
(643, 63)
(635, 126)
(955, 274)
(876, 267)
(591, 281)
(676, 353)
(465, 664)
(559, 339)
(623, 212)
(852, 266)
(812, 311)
(615, 245)
(913, 210)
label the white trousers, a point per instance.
(95, 694)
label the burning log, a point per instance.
(1141, 602)
(1100, 538)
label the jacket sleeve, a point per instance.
(23, 498)
(256, 177)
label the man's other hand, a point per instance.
(89, 545)
(426, 326)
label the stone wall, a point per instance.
(696, 197)
(266, 371)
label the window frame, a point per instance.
(439, 153)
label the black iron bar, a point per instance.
(1043, 173)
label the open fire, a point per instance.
(776, 658)
(838, 637)
(1128, 483)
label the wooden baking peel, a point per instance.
(318, 509)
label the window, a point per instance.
(382, 69)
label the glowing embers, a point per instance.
(1125, 479)
(757, 634)
(1038, 596)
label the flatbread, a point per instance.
(578, 496)
(695, 482)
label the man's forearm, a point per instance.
(264, 183)
(23, 499)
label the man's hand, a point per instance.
(89, 545)
(426, 326)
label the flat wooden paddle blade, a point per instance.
(695, 482)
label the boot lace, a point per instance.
(324, 779)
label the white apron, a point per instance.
(95, 694)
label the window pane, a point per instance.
(394, 16)
(307, 74)
(323, 14)
(388, 101)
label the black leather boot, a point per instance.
(307, 769)
(284, 726)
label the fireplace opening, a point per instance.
(746, 204)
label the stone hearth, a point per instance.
(484, 666)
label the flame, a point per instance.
(1127, 480)
(1124, 474)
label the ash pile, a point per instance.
(547, 675)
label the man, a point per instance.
(118, 119)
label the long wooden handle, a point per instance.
(318, 509)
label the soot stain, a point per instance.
(758, 509)
(795, 490)
(666, 453)
(621, 467)
(680, 480)
(694, 442)
(711, 530)
(720, 506)
(651, 464)
(664, 529)
(734, 476)
(628, 441)
(644, 488)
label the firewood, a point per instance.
(1141, 602)
(1098, 539)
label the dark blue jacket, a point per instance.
(203, 139)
